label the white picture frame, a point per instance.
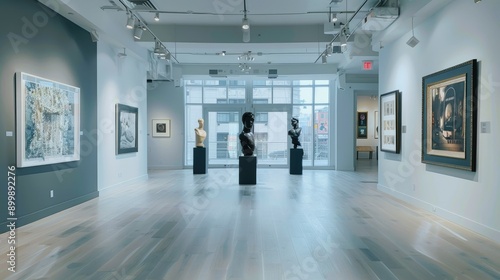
(47, 121)
(161, 128)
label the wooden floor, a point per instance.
(319, 225)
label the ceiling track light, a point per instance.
(477, 1)
(323, 59)
(138, 32)
(329, 49)
(245, 25)
(130, 22)
(157, 17)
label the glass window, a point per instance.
(261, 117)
(236, 95)
(302, 95)
(282, 95)
(321, 139)
(308, 99)
(194, 82)
(262, 95)
(303, 83)
(321, 95)
(321, 82)
(214, 95)
(193, 94)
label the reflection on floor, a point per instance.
(320, 225)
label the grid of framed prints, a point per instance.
(362, 127)
(390, 122)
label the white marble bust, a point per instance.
(200, 134)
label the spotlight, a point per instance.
(130, 22)
(323, 59)
(246, 35)
(157, 17)
(477, 1)
(244, 24)
(138, 32)
(334, 17)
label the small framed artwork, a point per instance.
(376, 122)
(126, 129)
(161, 128)
(362, 125)
(449, 117)
(390, 122)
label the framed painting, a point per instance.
(362, 127)
(47, 121)
(390, 122)
(126, 129)
(161, 128)
(376, 124)
(449, 117)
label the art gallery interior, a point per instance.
(379, 197)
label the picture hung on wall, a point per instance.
(362, 127)
(390, 122)
(376, 121)
(161, 128)
(47, 121)
(126, 129)
(449, 117)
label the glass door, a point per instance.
(223, 125)
(271, 135)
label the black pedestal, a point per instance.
(199, 160)
(248, 170)
(296, 161)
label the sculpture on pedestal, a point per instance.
(295, 132)
(246, 136)
(200, 134)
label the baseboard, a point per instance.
(472, 225)
(27, 219)
(138, 179)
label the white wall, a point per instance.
(459, 32)
(120, 80)
(370, 105)
(165, 101)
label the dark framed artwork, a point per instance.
(126, 129)
(376, 122)
(161, 128)
(362, 127)
(47, 121)
(449, 117)
(390, 122)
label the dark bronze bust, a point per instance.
(246, 136)
(295, 132)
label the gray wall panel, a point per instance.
(38, 41)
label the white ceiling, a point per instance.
(282, 31)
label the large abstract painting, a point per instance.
(47, 121)
(449, 117)
(126, 129)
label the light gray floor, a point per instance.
(319, 225)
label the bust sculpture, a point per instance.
(200, 134)
(295, 132)
(246, 136)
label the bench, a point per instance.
(367, 149)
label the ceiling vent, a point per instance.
(217, 73)
(141, 5)
(272, 74)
